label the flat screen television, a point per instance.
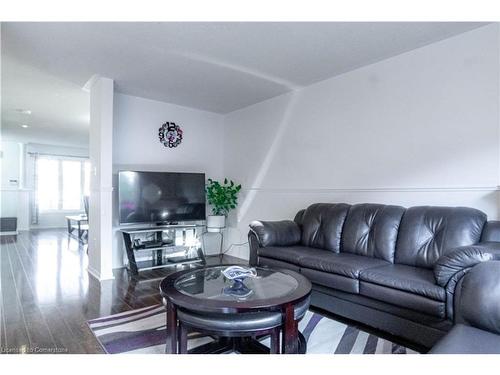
(160, 197)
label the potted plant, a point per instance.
(223, 197)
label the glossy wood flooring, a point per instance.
(47, 296)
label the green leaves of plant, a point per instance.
(223, 197)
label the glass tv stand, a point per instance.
(163, 246)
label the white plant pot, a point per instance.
(215, 223)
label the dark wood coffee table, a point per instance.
(205, 291)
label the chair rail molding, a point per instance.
(377, 189)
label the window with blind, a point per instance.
(61, 183)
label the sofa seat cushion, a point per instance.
(331, 280)
(290, 254)
(406, 278)
(344, 264)
(401, 298)
(464, 339)
(277, 264)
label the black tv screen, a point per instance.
(160, 197)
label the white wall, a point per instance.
(10, 164)
(418, 128)
(137, 147)
(12, 194)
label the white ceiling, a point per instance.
(218, 67)
(59, 108)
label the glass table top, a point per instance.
(210, 283)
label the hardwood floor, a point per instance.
(47, 296)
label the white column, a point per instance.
(100, 202)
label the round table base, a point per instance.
(243, 345)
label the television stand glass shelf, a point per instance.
(162, 246)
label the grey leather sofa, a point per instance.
(478, 314)
(396, 269)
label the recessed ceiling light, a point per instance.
(25, 126)
(24, 111)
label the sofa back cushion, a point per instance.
(299, 217)
(491, 231)
(427, 232)
(322, 225)
(372, 230)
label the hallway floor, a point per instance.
(47, 296)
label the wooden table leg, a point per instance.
(68, 221)
(171, 346)
(182, 338)
(275, 341)
(290, 331)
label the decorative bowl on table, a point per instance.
(237, 275)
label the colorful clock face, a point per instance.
(170, 134)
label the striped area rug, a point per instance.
(143, 331)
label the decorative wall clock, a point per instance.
(170, 134)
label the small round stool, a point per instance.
(238, 326)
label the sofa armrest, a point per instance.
(253, 244)
(480, 296)
(462, 258)
(276, 233)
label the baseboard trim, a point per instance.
(97, 275)
(49, 227)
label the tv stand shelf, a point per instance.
(183, 246)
